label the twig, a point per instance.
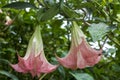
(40, 3)
(104, 42)
(112, 39)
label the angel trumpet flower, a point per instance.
(80, 55)
(34, 61)
(9, 21)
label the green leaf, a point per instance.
(50, 13)
(69, 12)
(116, 7)
(85, 5)
(82, 76)
(116, 67)
(40, 13)
(19, 5)
(62, 71)
(97, 31)
(4, 61)
(48, 3)
(3, 41)
(8, 75)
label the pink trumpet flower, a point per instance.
(9, 21)
(81, 55)
(34, 61)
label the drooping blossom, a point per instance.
(9, 21)
(80, 55)
(34, 61)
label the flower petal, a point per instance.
(32, 65)
(90, 55)
(17, 68)
(46, 66)
(70, 60)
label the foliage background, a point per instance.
(55, 18)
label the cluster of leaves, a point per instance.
(99, 20)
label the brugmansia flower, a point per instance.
(9, 21)
(81, 55)
(34, 60)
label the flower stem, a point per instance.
(42, 76)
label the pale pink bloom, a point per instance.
(81, 55)
(34, 61)
(9, 21)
